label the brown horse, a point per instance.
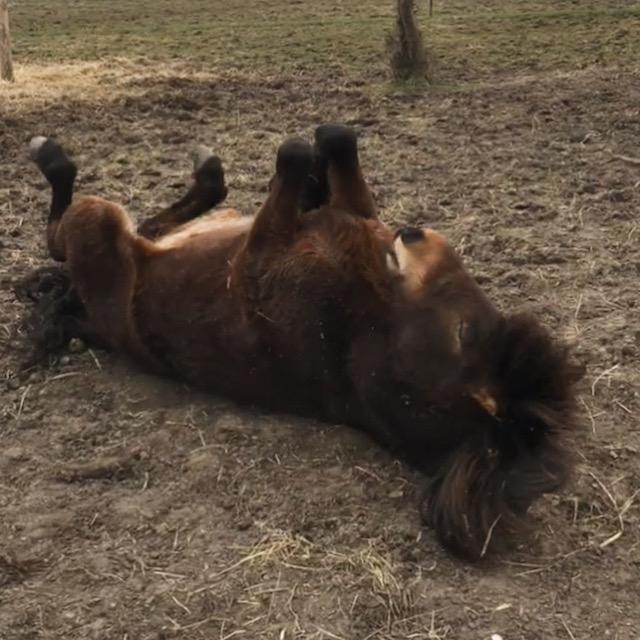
(313, 306)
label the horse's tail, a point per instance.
(486, 486)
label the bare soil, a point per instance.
(134, 508)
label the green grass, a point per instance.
(470, 39)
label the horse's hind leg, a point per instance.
(338, 171)
(61, 173)
(95, 239)
(207, 191)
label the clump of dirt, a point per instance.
(134, 507)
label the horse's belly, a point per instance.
(190, 319)
(214, 229)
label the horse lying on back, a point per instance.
(313, 306)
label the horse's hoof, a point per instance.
(295, 160)
(338, 143)
(200, 155)
(35, 145)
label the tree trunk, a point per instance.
(408, 55)
(6, 65)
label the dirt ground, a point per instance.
(134, 508)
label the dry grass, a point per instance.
(470, 40)
(292, 559)
(41, 85)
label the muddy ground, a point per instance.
(135, 508)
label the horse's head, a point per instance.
(444, 321)
(502, 392)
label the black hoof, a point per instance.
(209, 176)
(338, 143)
(52, 160)
(294, 161)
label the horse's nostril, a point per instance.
(410, 235)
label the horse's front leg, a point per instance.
(207, 191)
(277, 220)
(276, 223)
(337, 178)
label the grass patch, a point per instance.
(470, 39)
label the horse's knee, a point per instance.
(97, 239)
(94, 223)
(102, 255)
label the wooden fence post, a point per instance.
(6, 65)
